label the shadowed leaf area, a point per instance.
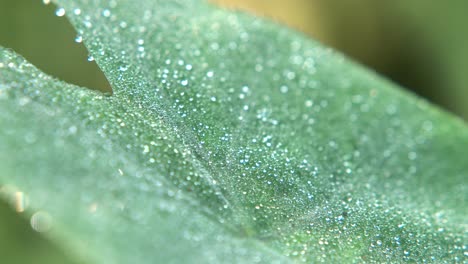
(228, 139)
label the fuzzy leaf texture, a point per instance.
(228, 139)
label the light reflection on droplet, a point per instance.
(284, 89)
(19, 202)
(106, 12)
(60, 12)
(79, 39)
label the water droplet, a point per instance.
(77, 11)
(290, 75)
(79, 39)
(309, 103)
(90, 58)
(72, 129)
(188, 67)
(123, 68)
(284, 89)
(60, 12)
(258, 68)
(46, 2)
(88, 24)
(145, 149)
(41, 221)
(106, 12)
(184, 82)
(209, 74)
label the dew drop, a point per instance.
(41, 221)
(209, 74)
(72, 129)
(106, 13)
(79, 39)
(90, 58)
(60, 12)
(88, 24)
(284, 89)
(46, 2)
(77, 11)
(184, 82)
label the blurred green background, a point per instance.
(422, 45)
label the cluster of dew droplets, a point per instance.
(61, 12)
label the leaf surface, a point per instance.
(228, 139)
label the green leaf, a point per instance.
(227, 139)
